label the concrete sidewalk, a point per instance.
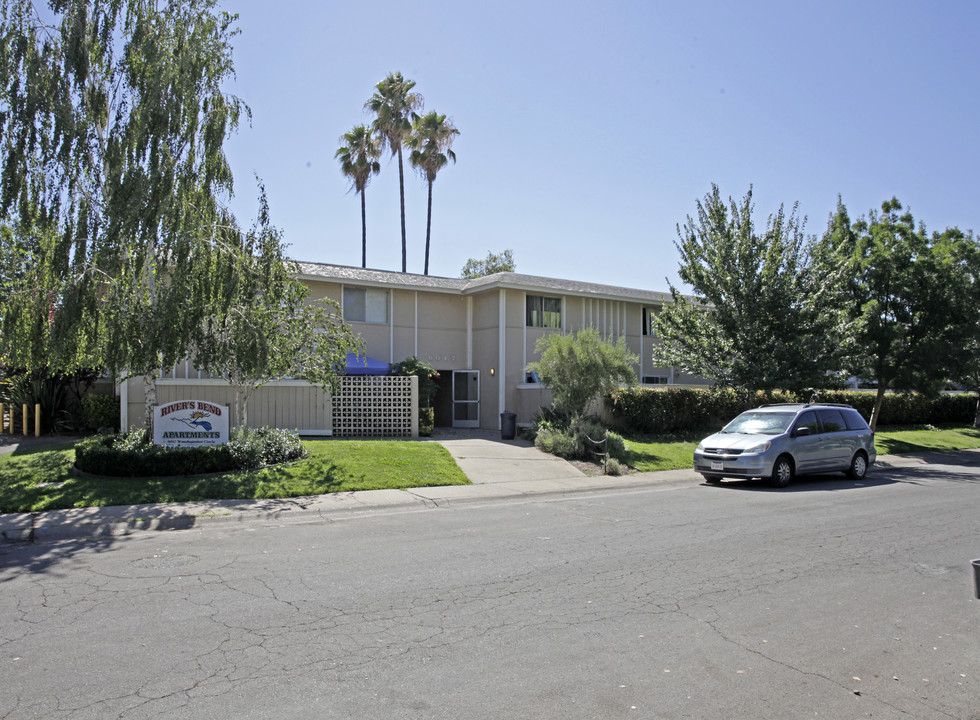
(498, 469)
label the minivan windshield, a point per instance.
(760, 423)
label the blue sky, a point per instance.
(589, 130)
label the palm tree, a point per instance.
(358, 155)
(431, 142)
(394, 106)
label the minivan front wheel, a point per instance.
(859, 466)
(782, 472)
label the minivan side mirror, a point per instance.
(801, 431)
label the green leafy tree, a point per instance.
(756, 319)
(581, 366)
(913, 301)
(358, 156)
(272, 330)
(492, 263)
(395, 107)
(431, 142)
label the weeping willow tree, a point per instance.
(114, 184)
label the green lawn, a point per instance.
(923, 438)
(675, 453)
(666, 453)
(40, 478)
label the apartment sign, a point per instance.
(190, 423)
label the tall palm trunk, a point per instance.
(428, 228)
(401, 192)
(363, 231)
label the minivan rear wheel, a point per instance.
(782, 472)
(859, 466)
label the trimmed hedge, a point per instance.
(132, 455)
(656, 411)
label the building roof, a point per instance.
(505, 280)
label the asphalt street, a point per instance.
(833, 599)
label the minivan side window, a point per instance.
(809, 419)
(854, 420)
(832, 420)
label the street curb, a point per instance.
(123, 521)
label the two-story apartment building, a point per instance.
(480, 334)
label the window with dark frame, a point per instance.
(543, 312)
(648, 315)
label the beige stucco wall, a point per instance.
(442, 330)
(486, 348)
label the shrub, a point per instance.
(427, 375)
(557, 441)
(245, 447)
(581, 367)
(278, 444)
(100, 411)
(132, 455)
(427, 421)
(575, 441)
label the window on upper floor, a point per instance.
(543, 312)
(365, 305)
(648, 315)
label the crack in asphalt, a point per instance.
(245, 616)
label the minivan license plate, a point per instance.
(717, 466)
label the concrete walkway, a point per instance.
(499, 470)
(485, 458)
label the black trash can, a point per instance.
(508, 425)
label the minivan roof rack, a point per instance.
(809, 404)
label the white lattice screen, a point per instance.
(376, 406)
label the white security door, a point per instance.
(466, 398)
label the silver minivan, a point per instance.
(778, 442)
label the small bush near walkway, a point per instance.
(575, 440)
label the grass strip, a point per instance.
(40, 478)
(671, 452)
(926, 438)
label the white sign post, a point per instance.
(190, 423)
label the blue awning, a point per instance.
(364, 365)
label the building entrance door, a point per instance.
(466, 398)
